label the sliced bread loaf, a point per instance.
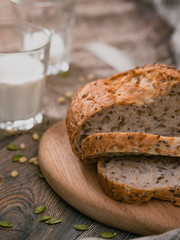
(136, 179)
(145, 99)
(128, 143)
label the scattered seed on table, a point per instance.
(35, 136)
(41, 175)
(108, 235)
(22, 159)
(61, 100)
(64, 74)
(40, 209)
(16, 157)
(22, 146)
(90, 77)
(53, 220)
(14, 174)
(6, 224)
(36, 162)
(12, 147)
(81, 227)
(69, 95)
(45, 218)
(33, 159)
(81, 79)
(11, 131)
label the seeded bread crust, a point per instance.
(133, 195)
(128, 143)
(137, 87)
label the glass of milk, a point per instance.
(22, 75)
(56, 15)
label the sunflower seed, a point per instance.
(35, 136)
(14, 174)
(22, 146)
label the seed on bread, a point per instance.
(111, 144)
(105, 105)
(138, 187)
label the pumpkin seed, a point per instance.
(64, 74)
(108, 235)
(41, 175)
(12, 147)
(45, 218)
(54, 220)
(5, 224)
(81, 227)
(40, 209)
(16, 157)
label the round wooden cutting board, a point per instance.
(78, 185)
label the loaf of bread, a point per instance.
(136, 179)
(145, 99)
(129, 143)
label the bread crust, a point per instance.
(103, 144)
(118, 90)
(132, 195)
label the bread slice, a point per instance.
(145, 99)
(137, 179)
(128, 143)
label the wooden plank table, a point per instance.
(144, 37)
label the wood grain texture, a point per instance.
(144, 37)
(19, 196)
(77, 184)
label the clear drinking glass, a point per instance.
(22, 75)
(56, 15)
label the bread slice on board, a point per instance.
(144, 99)
(137, 179)
(128, 143)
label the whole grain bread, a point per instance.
(129, 143)
(137, 179)
(144, 99)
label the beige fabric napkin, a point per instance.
(171, 235)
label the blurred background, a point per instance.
(146, 31)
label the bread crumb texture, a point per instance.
(145, 99)
(136, 179)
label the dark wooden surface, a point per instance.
(139, 31)
(19, 197)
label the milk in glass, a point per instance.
(21, 87)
